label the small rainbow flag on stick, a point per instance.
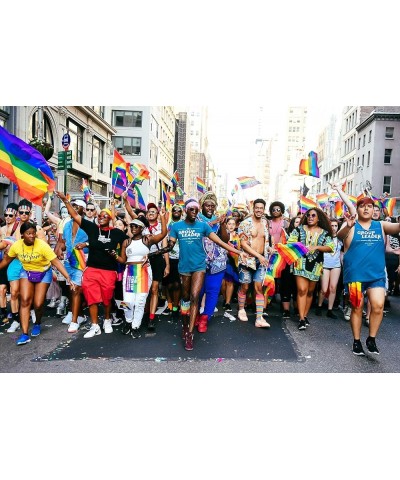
(77, 259)
(389, 204)
(201, 186)
(247, 182)
(309, 166)
(323, 200)
(175, 178)
(291, 252)
(306, 204)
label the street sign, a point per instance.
(66, 141)
(64, 160)
(68, 159)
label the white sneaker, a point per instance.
(242, 315)
(14, 327)
(67, 319)
(82, 320)
(107, 326)
(73, 327)
(33, 316)
(215, 310)
(347, 313)
(94, 330)
(262, 323)
(53, 303)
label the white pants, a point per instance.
(138, 301)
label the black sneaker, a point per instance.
(318, 311)
(306, 321)
(175, 315)
(167, 311)
(135, 333)
(227, 307)
(126, 328)
(371, 346)
(357, 348)
(330, 314)
(302, 325)
(286, 314)
(151, 326)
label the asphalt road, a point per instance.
(325, 347)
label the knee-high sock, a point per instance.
(241, 299)
(259, 305)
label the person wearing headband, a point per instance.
(192, 263)
(138, 276)
(99, 276)
(364, 271)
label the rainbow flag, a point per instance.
(362, 195)
(201, 186)
(269, 283)
(87, 193)
(339, 209)
(291, 252)
(25, 167)
(166, 198)
(276, 264)
(76, 259)
(120, 175)
(138, 172)
(309, 166)
(247, 182)
(181, 203)
(323, 200)
(137, 278)
(235, 243)
(353, 199)
(389, 204)
(234, 190)
(172, 197)
(355, 294)
(175, 178)
(306, 204)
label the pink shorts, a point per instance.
(98, 285)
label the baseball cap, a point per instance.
(78, 202)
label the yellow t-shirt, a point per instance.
(36, 257)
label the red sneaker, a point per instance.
(202, 326)
(189, 341)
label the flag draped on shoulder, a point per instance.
(309, 166)
(25, 167)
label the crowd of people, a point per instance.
(124, 259)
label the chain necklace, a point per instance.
(23, 251)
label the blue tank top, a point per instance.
(364, 261)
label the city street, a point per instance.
(228, 347)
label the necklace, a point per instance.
(25, 255)
(311, 238)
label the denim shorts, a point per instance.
(248, 275)
(74, 274)
(46, 279)
(381, 283)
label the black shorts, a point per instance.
(173, 275)
(157, 267)
(3, 277)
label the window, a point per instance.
(126, 118)
(388, 154)
(128, 145)
(359, 143)
(387, 183)
(47, 133)
(362, 163)
(370, 136)
(368, 158)
(389, 132)
(98, 154)
(364, 140)
(99, 111)
(76, 133)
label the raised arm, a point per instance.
(71, 210)
(128, 207)
(346, 200)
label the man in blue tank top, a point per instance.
(364, 267)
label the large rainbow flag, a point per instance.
(323, 200)
(247, 182)
(389, 204)
(291, 252)
(25, 167)
(306, 204)
(276, 264)
(309, 166)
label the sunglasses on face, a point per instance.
(8, 214)
(176, 211)
(24, 212)
(276, 209)
(90, 209)
(193, 209)
(135, 226)
(311, 215)
(103, 216)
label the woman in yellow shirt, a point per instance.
(36, 257)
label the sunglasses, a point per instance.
(311, 215)
(103, 216)
(8, 214)
(135, 226)
(24, 212)
(193, 209)
(176, 211)
(276, 209)
(90, 209)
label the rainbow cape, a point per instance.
(309, 166)
(137, 278)
(201, 186)
(25, 167)
(291, 252)
(77, 259)
(247, 182)
(355, 294)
